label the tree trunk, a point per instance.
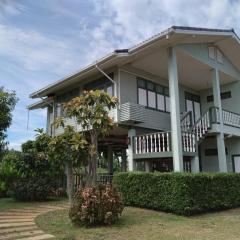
(92, 167)
(70, 182)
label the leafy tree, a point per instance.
(68, 149)
(91, 111)
(8, 101)
(33, 161)
(8, 171)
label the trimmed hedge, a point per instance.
(33, 189)
(180, 193)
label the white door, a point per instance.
(189, 105)
(236, 160)
(197, 110)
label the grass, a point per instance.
(10, 203)
(144, 224)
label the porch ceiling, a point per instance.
(191, 72)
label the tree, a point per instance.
(70, 149)
(91, 111)
(8, 101)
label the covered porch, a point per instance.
(189, 70)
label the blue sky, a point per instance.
(41, 41)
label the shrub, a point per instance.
(96, 206)
(33, 189)
(3, 189)
(181, 193)
(8, 173)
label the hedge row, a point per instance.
(180, 193)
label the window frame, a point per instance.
(144, 84)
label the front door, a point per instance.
(236, 164)
(193, 105)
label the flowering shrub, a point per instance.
(96, 206)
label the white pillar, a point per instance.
(222, 160)
(175, 112)
(148, 165)
(131, 162)
(195, 164)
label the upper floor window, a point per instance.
(153, 95)
(101, 84)
(224, 95)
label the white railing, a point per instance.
(231, 119)
(186, 121)
(201, 126)
(189, 142)
(153, 142)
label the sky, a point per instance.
(41, 41)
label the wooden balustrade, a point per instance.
(186, 122)
(153, 142)
(189, 142)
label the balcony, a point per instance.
(159, 145)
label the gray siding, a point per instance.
(230, 104)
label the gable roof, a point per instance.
(170, 36)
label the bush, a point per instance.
(181, 193)
(8, 173)
(3, 189)
(33, 189)
(96, 206)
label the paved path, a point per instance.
(19, 223)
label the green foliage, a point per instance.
(99, 205)
(33, 189)
(181, 193)
(8, 171)
(68, 146)
(91, 111)
(34, 161)
(8, 101)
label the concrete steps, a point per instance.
(19, 224)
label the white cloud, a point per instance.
(125, 23)
(89, 35)
(36, 51)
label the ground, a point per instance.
(10, 203)
(144, 224)
(137, 223)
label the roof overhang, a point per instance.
(41, 104)
(170, 37)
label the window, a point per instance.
(160, 102)
(153, 95)
(101, 84)
(219, 56)
(151, 99)
(224, 95)
(211, 53)
(142, 96)
(59, 109)
(213, 152)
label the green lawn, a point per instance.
(144, 224)
(9, 203)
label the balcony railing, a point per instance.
(229, 118)
(161, 142)
(153, 142)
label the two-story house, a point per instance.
(179, 100)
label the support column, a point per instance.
(195, 164)
(124, 160)
(148, 166)
(222, 160)
(131, 162)
(175, 112)
(110, 159)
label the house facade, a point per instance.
(179, 101)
